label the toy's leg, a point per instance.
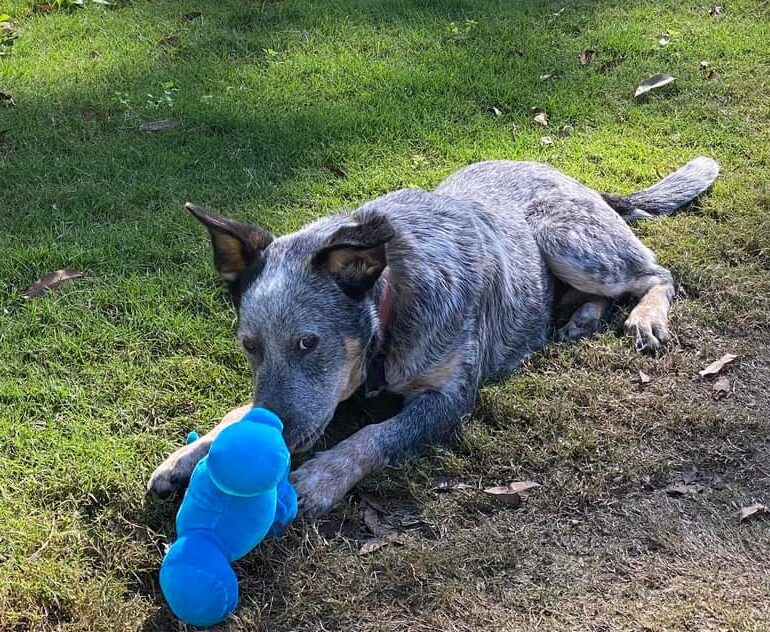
(426, 419)
(175, 471)
(198, 582)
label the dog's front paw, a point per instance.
(174, 473)
(324, 480)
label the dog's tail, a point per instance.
(668, 195)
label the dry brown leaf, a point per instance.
(721, 388)
(50, 281)
(716, 9)
(373, 523)
(540, 117)
(448, 484)
(171, 40)
(653, 83)
(611, 64)
(757, 509)
(510, 494)
(375, 544)
(6, 99)
(546, 141)
(644, 378)
(709, 74)
(716, 366)
(682, 489)
(159, 126)
(192, 15)
(335, 169)
(587, 56)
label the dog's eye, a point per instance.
(307, 342)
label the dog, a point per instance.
(428, 295)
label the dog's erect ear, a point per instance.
(236, 246)
(356, 254)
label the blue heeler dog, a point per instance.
(427, 295)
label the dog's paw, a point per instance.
(572, 332)
(648, 328)
(174, 473)
(323, 481)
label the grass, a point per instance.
(288, 111)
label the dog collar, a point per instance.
(375, 367)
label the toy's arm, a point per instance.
(286, 508)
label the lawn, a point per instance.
(288, 111)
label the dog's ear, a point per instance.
(236, 246)
(355, 255)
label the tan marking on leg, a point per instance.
(434, 378)
(175, 471)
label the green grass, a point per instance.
(101, 378)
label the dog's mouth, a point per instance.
(306, 440)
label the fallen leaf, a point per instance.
(545, 77)
(50, 281)
(375, 544)
(448, 484)
(171, 40)
(565, 131)
(587, 56)
(372, 522)
(644, 378)
(192, 15)
(757, 509)
(721, 388)
(371, 501)
(716, 366)
(510, 494)
(709, 74)
(690, 477)
(159, 126)
(546, 141)
(665, 39)
(87, 115)
(334, 168)
(6, 98)
(495, 111)
(715, 10)
(682, 489)
(540, 117)
(653, 83)
(44, 8)
(611, 64)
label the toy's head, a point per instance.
(250, 456)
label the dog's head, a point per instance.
(305, 311)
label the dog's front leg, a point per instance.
(175, 471)
(426, 419)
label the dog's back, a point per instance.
(465, 274)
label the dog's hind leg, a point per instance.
(589, 311)
(590, 248)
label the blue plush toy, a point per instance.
(238, 494)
